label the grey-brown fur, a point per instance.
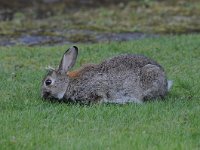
(121, 79)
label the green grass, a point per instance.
(27, 122)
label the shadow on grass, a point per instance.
(91, 104)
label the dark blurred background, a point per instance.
(46, 8)
(89, 21)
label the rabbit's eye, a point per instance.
(48, 82)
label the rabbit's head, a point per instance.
(55, 84)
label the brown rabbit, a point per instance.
(121, 79)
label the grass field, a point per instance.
(27, 122)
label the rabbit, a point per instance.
(121, 79)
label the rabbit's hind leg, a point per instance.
(153, 82)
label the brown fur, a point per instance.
(77, 73)
(74, 74)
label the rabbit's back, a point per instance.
(126, 62)
(118, 64)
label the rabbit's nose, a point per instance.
(46, 94)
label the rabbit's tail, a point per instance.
(169, 84)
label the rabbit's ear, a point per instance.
(68, 60)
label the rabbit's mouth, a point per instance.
(49, 95)
(46, 95)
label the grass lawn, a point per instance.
(27, 122)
